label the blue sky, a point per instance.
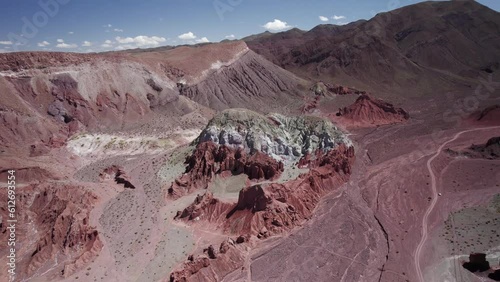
(97, 25)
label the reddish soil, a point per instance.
(488, 116)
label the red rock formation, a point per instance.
(204, 207)
(60, 214)
(209, 159)
(369, 111)
(263, 210)
(223, 261)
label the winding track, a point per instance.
(418, 250)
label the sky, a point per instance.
(97, 25)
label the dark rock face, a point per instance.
(495, 275)
(210, 159)
(69, 104)
(477, 262)
(490, 150)
(153, 85)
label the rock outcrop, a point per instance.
(267, 209)
(64, 239)
(118, 175)
(209, 159)
(213, 265)
(370, 111)
(282, 137)
(261, 211)
(490, 150)
(477, 262)
(495, 275)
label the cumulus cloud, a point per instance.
(231, 36)
(107, 44)
(5, 42)
(107, 25)
(323, 18)
(43, 44)
(202, 40)
(118, 30)
(335, 17)
(86, 44)
(187, 36)
(66, 46)
(141, 40)
(276, 25)
(60, 40)
(71, 32)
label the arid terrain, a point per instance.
(363, 152)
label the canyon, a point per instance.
(362, 152)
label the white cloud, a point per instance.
(323, 18)
(335, 17)
(66, 46)
(141, 40)
(43, 44)
(276, 25)
(5, 42)
(118, 30)
(108, 25)
(202, 40)
(71, 32)
(231, 36)
(187, 36)
(86, 44)
(107, 44)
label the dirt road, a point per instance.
(420, 246)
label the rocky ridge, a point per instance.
(371, 111)
(283, 138)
